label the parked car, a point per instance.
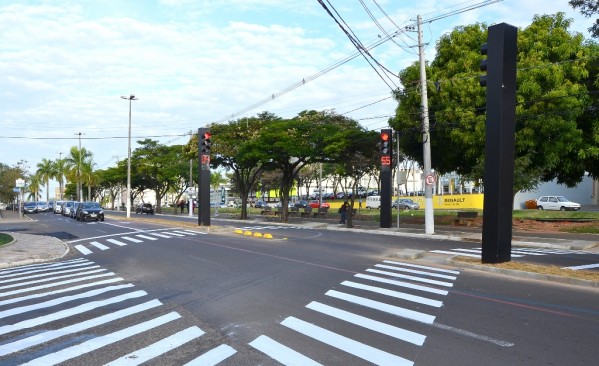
(66, 208)
(560, 203)
(405, 204)
(73, 211)
(89, 211)
(58, 206)
(144, 208)
(42, 207)
(30, 207)
(301, 204)
(260, 204)
(315, 203)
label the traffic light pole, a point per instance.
(204, 142)
(386, 158)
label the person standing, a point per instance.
(343, 212)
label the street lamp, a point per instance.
(130, 98)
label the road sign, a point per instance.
(430, 179)
(19, 183)
(16, 189)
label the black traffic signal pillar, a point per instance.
(501, 50)
(386, 154)
(204, 146)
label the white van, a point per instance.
(373, 202)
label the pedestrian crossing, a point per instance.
(516, 253)
(409, 292)
(47, 320)
(273, 227)
(121, 240)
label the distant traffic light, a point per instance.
(386, 150)
(205, 142)
(482, 80)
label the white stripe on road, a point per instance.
(83, 249)
(363, 351)
(412, 278)
(145, 237)
(55, 284)
(49, 274)
(447, 277)
(154, 350)
(213, 357)
(479, 251)
(99, 342)
(193, 232)
(133, 240)
(586, 266)
(49, 335)
(423, 267)
(374, 325)
(50, 279)
(377, 305)
(403, 284)
(114, 241)
(99, 246)
(455, 253)
(173, 233)
(68, 289)
(186, 232)
(160, 235)
(44, 266)
(60, 300)
(281, 353)
(83, 262)
(30, 323)
(396, 294)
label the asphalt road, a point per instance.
(331, 298)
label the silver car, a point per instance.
(405, 204)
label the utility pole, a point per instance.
(79, 184)
(429, 216)
(190, 203)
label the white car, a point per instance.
(559, 203)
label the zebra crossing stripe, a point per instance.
(455, 253)
(447, 277)
(479, 252)
(412, 278)
(363, 351)
(50, 335)
(154, 350)
(526, 252)
(377, 305)
(50, 279)
(114, 241)
(145, 237)
(186, 232)
(160, 235)
(38, 275)
(99, 342)
(174, 233)
(403, 284)
(55, 284)
(99, 246)
(48, 268)
(56, 292)
(193, 232)
(586, 266)
(30, 323)
(213, 357)
(423, 267)
(60, 300)
(374, 325)
(396, 294)
(83, 249)
(133, 240)
(3, 273)
(281, 353)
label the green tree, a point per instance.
(60, 168)
(75, 161)
(588, 8)
(112, 180)
(551, 140)
(45, 172)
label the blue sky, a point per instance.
(65, 64)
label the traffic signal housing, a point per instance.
(205, 142)
(482, 80)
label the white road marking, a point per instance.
(377, 305)
(374, 325)
(49, 335)
(146, 237)
(396, 294)
(403, 284)
(83, 249)
(160, 235)
(473, 335)
(82, 262)
(586, 266)
(44, 266)
(114, 241)
(174, 233)
(186, 232)
(363, 351)
(30, 323)
(99, 342)
(213, 357)
(55, 284)
(447, 277)
(99, 246)
(156, 349)
(51, 279)
(133, 240)
(281, 353)
(412, 278)
(424, 267)
(455, 253)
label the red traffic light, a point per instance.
(385, 136)
(207, 135)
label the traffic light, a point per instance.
(482, 80)
(385, 142)
(205, 142)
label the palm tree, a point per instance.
(45, 171)
(34, 187)
(88, 176)
(75, 162)
(60, 170)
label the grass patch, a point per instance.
(535, 268)
(586, 229)
(5, 239)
